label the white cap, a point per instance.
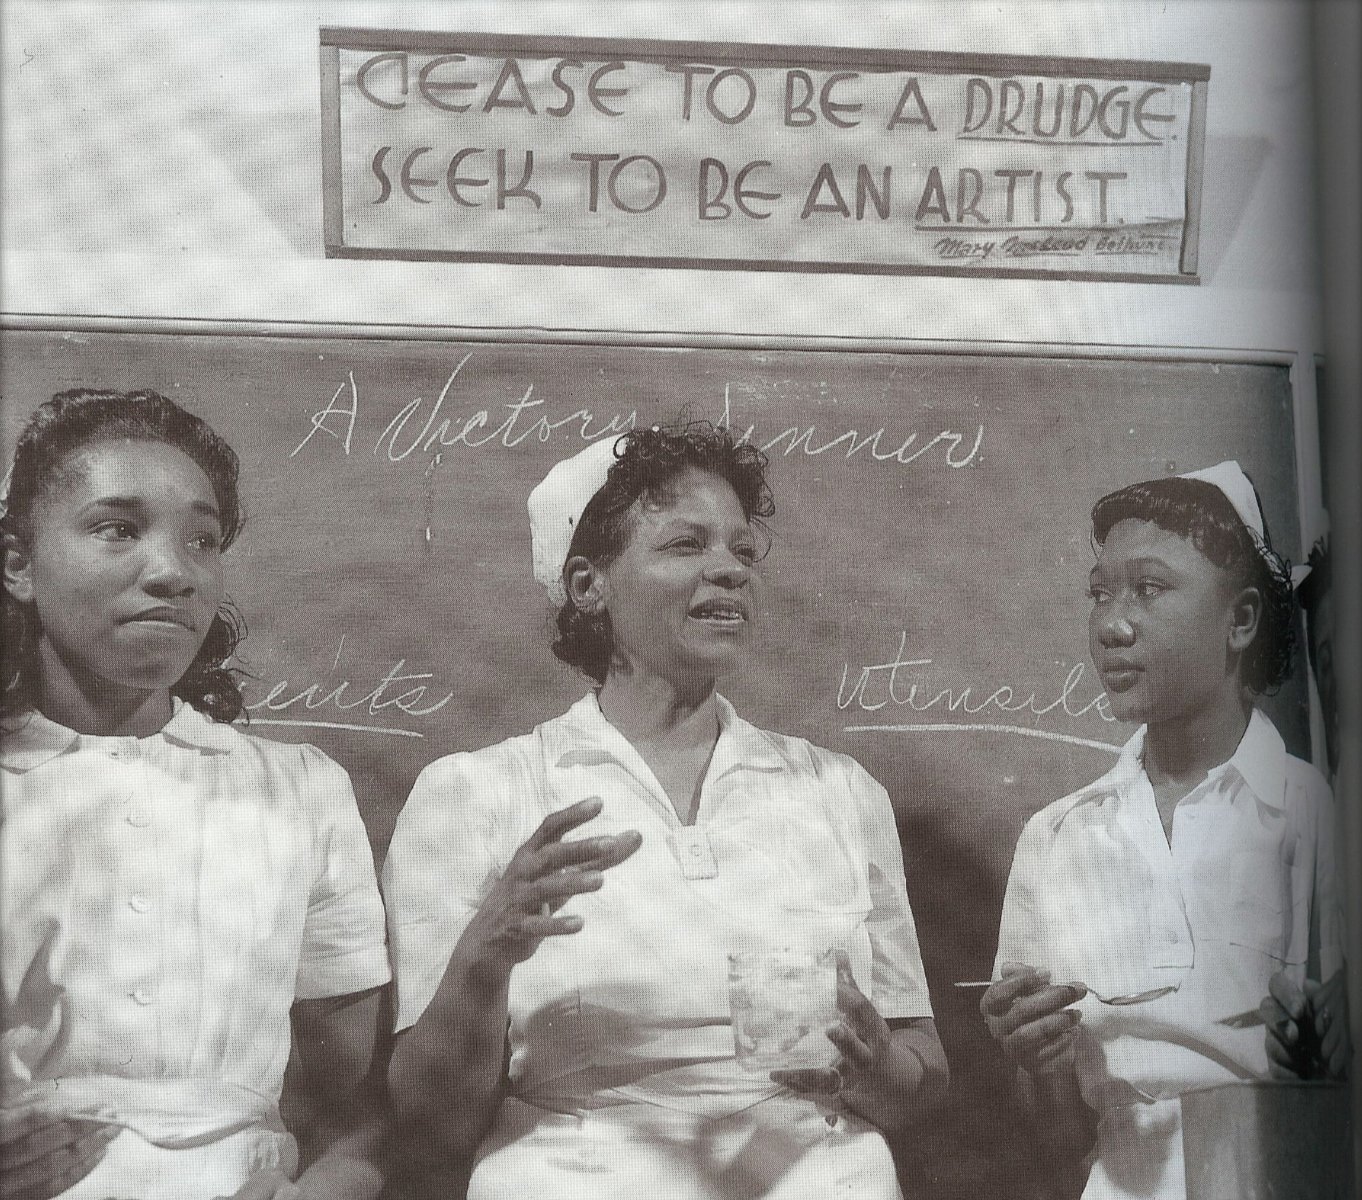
(557, 504)
(1229, 477)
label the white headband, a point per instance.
(1229, 477)
(557, 504)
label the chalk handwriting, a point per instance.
(808, 439)
(899, 682)
(320, 418)
(399, 694)
(421, 429)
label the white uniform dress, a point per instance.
(1098, 895)
(165, 900)
(624, 1081)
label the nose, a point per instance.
(167, 571)
(729, 571)
(1113, 626)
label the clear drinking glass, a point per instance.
(782, 1003)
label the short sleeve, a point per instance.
(454, 838)
(343, 947)
(1021, 930)
(898, 980)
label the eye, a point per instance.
(207, 542)
(1098, 595)
(687, 542)
(1148, 588)
(746, 553)
(115, 531)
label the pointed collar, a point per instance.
(33, 739)
(584, 735)
(1259, 760)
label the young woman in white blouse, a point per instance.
(1150, 916)
(563, 1011)
(181, 901)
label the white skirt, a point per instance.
(784, 1148)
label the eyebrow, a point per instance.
(1138, 564)
(133, 504)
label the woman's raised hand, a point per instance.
(547, 871)
(1030, 1017)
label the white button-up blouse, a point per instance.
(1245, 887)
(165, 900)
(791, 844)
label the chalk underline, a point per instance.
(953, 727)
(382, 729)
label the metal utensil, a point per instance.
(1117, 1000)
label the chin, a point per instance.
(1132, 709)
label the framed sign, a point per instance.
(605, 152)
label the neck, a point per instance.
(650, 709)
(95, 707)
(1184, 750)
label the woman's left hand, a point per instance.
(879, 1072)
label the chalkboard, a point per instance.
(931, 512)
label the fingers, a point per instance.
(562, 885)
(1018, 981)
(1047, 1005)
(856, 1052)
(1032, 1040)
(597, 852)
(853, 1002)
(36, 1134)
(1292, 999)
(537, 926)
(553, 827)
(57, 1168)
(819, 1080)
(1334, 1036)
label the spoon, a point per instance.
(1117, 1000)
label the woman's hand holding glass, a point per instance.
(876, 1073)
(520, 910)
(1031, 1018)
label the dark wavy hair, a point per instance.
(647, 462)
(1202, 513)
(58, 429)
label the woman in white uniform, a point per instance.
(1194, 883)
(184, 905)
(563, 1011)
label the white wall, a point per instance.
(161, 159)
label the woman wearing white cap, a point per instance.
(562, 1004)
(1192, 887)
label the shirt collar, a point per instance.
(583, 735)
(1259, 760)
(33, 739)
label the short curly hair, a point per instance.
(1200, 512)
(55, 432)
(647, 462)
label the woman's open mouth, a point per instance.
(730, 612)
